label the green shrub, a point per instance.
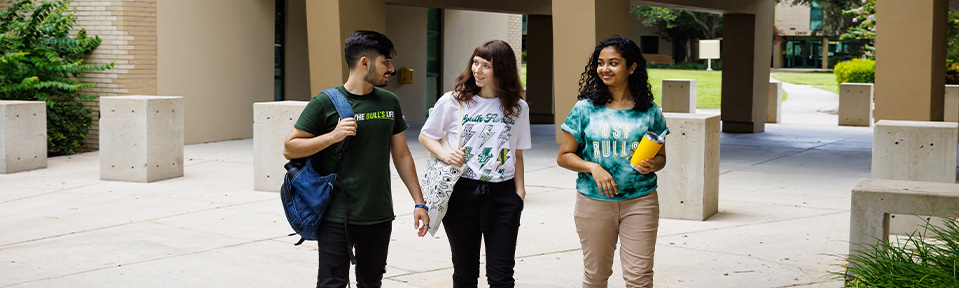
(918, 261)
(67, 125)
(952, 73)
(856, 71)
(717, 65)
(833, 60)
(40, 61)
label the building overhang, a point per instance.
(720, 7)
(529, 7)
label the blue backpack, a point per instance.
(305, 193)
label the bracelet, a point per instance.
(421, 206)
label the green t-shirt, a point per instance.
(365, 172)
(608, 138)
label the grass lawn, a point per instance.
(708, 85)
(821, 80)
(522, 74)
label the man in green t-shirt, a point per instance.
(377, 133)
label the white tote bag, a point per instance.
(437, 183)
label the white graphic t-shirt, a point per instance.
(489, 139)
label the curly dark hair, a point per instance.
(508, 86)
(591, 86)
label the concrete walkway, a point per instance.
(807, 105)
(783, 209)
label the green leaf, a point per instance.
(39, 60)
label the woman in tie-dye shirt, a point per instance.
(616, 200)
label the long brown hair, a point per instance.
(508, 87)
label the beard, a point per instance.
(373, 77)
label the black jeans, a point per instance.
(371, 243)
(488, 211)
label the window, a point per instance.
(815, 16)
(649, 44)
(278, 43)
(434, 54)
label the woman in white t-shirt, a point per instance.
(488, 198)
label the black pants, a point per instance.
(371, 243)
(488, 211)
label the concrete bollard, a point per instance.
(951, 104)
(775, 107)
(23, 135)
(141, 138)
(855, 104)
(679, 95)
(914, 151)
(272, 121)
(689, 185)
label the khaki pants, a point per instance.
(634, 222)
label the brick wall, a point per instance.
(128, 31)
(516, 36)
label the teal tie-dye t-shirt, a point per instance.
(608, 137)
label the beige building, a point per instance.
(224, 55)
(801, 28)
(805, 44)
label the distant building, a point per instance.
(805, 44)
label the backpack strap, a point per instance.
(346, 111)
(343, 108)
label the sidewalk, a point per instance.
(783, 206)
(807, 105)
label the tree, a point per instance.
(952, 48)
(39, 60)
(680, 26)
(952, 37)
(835, 21)
(864, 30)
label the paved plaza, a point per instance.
(784, 200)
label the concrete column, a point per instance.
(141, 138)
(774, 107)
(406, 26)
(910, 87)
(778, 55)
(825, 53)
(328, 23)
(296, 75)
(23, 135)
(539, 68)
(578, 26)
(272, 121)
(855, 104)
(679, 95)
(461, 36)
(746, 55)
(217, 54)
(950, 105)
(689, 185)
